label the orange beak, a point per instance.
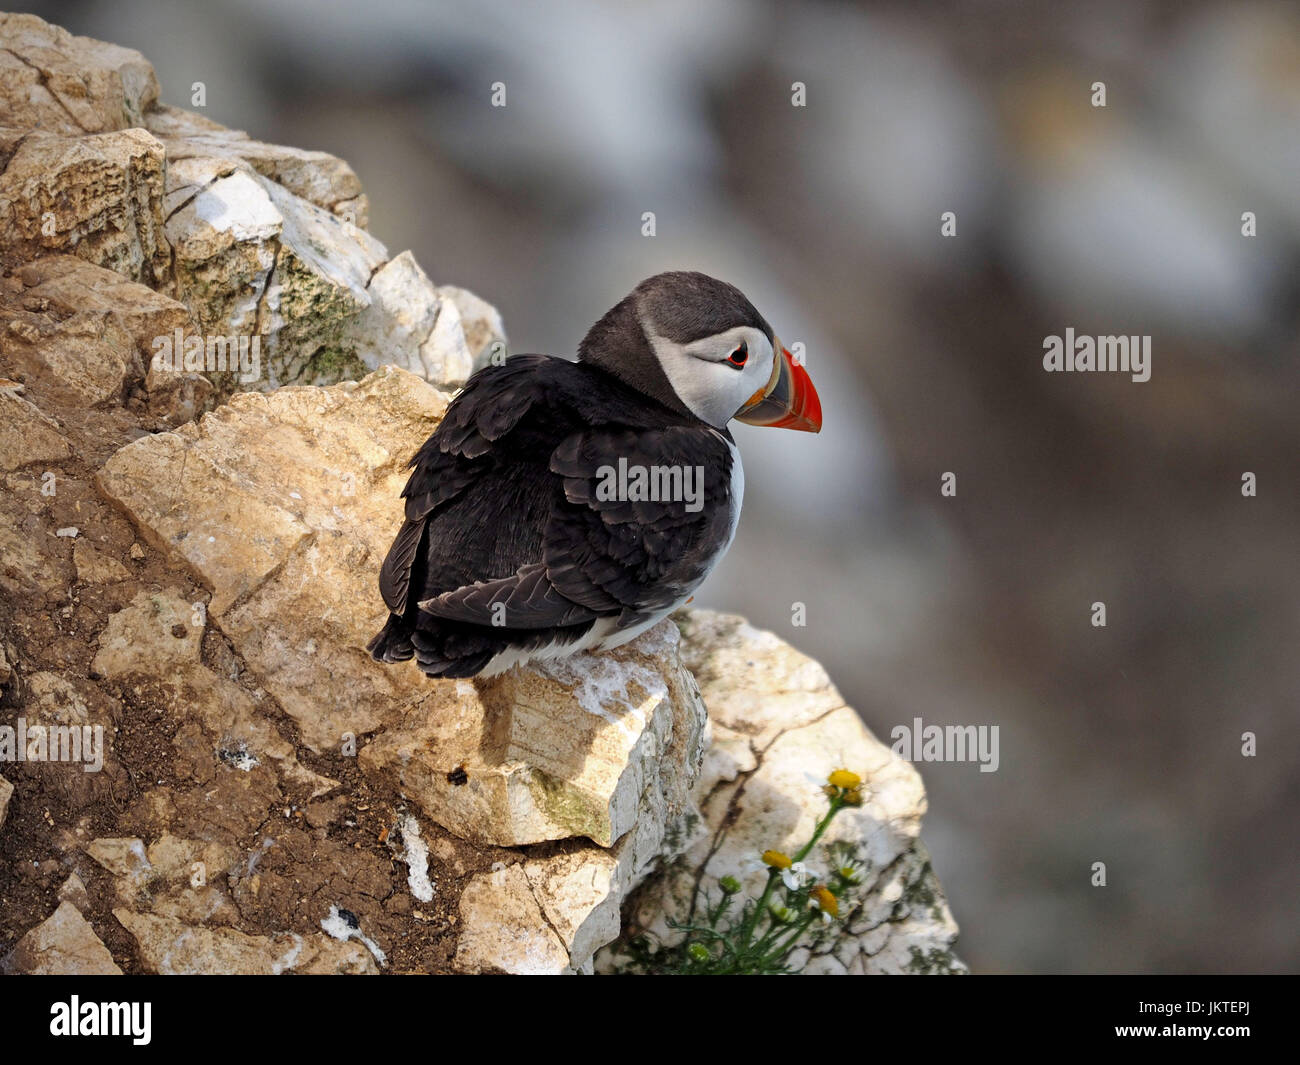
(788, 401)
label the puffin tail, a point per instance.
(393, 642)
(439, 652)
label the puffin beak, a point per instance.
(788, 400)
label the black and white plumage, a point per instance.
(513, 547)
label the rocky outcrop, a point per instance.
(82, 330)
(53, 80)
(188, 558)
(778, 726)
(259, 242)
(270, 243)
(99, 195)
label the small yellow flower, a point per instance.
(842, 778)
(777, 860)
(825, 901)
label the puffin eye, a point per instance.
(739, 356)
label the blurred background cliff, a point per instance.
(1120, 744)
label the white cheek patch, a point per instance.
(711, 388)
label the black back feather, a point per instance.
(501, 512)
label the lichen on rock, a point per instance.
(254, 239)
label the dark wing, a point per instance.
(509, 486)
(458, 482)
(638, 556)
(525, 600)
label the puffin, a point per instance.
(565, 506)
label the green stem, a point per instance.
(780, 948)
(836, 804)
(769, 938)
(747, 929)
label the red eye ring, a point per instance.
(740, 356)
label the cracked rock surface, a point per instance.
(779, 725)
(255, 240)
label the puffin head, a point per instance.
(698, 346)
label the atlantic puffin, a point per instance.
(568, 506)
